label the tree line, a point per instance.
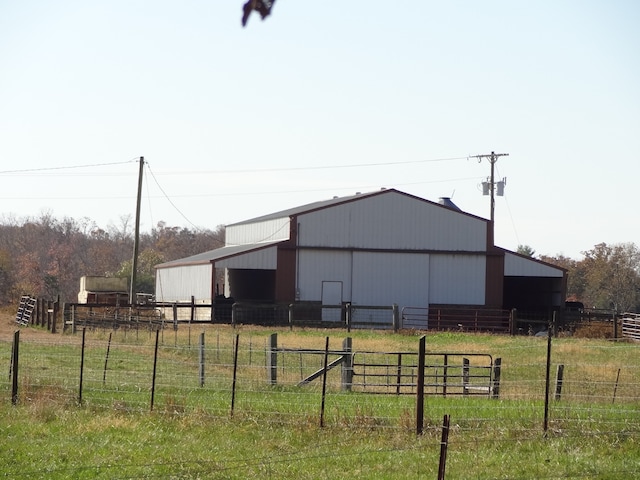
(45, 256)
(607, 277)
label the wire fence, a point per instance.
(573, 389)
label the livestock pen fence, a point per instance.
(55, 316)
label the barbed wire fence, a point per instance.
(570, 389)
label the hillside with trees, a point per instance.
(45, 256)
(607, 277)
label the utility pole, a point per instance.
(134, 263)
(493, 158)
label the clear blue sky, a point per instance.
(236, 123)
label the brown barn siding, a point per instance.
(495, 279)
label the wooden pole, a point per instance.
(155, 370)
(136, 238)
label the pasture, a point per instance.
(194, 406)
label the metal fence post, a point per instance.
(272, 359)
(347, 364)
(420, 387)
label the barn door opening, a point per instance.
(331, 301)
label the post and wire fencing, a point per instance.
(527, 384)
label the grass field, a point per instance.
(274, 431)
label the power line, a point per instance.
(68, 167)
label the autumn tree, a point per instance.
(612, 276)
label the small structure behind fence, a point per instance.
(631, 326)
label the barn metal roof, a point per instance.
(217, 254)
(336, 201)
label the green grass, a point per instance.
(275, 431)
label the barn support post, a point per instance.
(420, 387)
(559, 378)
(347, 364)
(272, 359)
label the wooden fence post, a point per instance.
(465, 377)
(347, 364)
(396, 317)
(513, 321)
(272, 359)
(495, 381)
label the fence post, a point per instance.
(84, 332)
(272, 359)
(547, 380)
(444, 443)
(155, 369)
(559, 376)
(235, 373)
(324, 381)
(347, 364)
(513, 321)
(347, 316)
(465, 377)
(14, 367)
(396, 317)
(420, 387)
(291, 317)
(201, 360)
(495, 382)
(233, 315)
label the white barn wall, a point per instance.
(517, 266)
(401, 223)
(178, 284)
(457, 279)
(265, 231)
(388, 278)
(316, 266)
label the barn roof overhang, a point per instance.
(218, 254)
